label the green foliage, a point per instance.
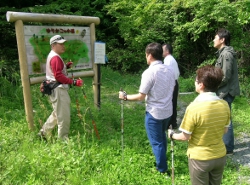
(9, 64)
(85, 160)
(207, 62)
(6, 87)
(10, 90)
(186, 84)
(189, 25)
(138, 25)
(128, 26)
(241, 110)
(244, 84)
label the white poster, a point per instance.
(100, 51)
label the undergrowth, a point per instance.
(85, 160)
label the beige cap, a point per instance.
(57, 39)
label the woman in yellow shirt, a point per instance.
(205, 121)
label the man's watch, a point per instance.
(171, 135)
(125, 96)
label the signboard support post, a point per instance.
(95, 66)
(99, 85)
(24, 73)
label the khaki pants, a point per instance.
(61, 113)
(206, 172)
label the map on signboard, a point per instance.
(78, 48)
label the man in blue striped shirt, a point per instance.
(157, 85)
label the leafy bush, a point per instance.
(245, 86)
(186, 84)
(189, 26)
(128, 26)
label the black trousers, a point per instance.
(173, 120)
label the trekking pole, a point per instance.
(122, 124)
(91, 116)
(77, 102)
(172, 155)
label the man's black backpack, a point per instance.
(46, 87)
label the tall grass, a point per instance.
(85, 160)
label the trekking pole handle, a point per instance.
(171, 133)
(124, 94)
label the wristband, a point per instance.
(171, 135)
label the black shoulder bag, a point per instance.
(46, 87)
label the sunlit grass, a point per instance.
(85, 160)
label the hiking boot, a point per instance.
(41, 134)
(230, 152)
(166, 174)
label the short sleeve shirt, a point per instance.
(157, 83)
(205, 119)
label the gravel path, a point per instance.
(242, 150)
(241, 155)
